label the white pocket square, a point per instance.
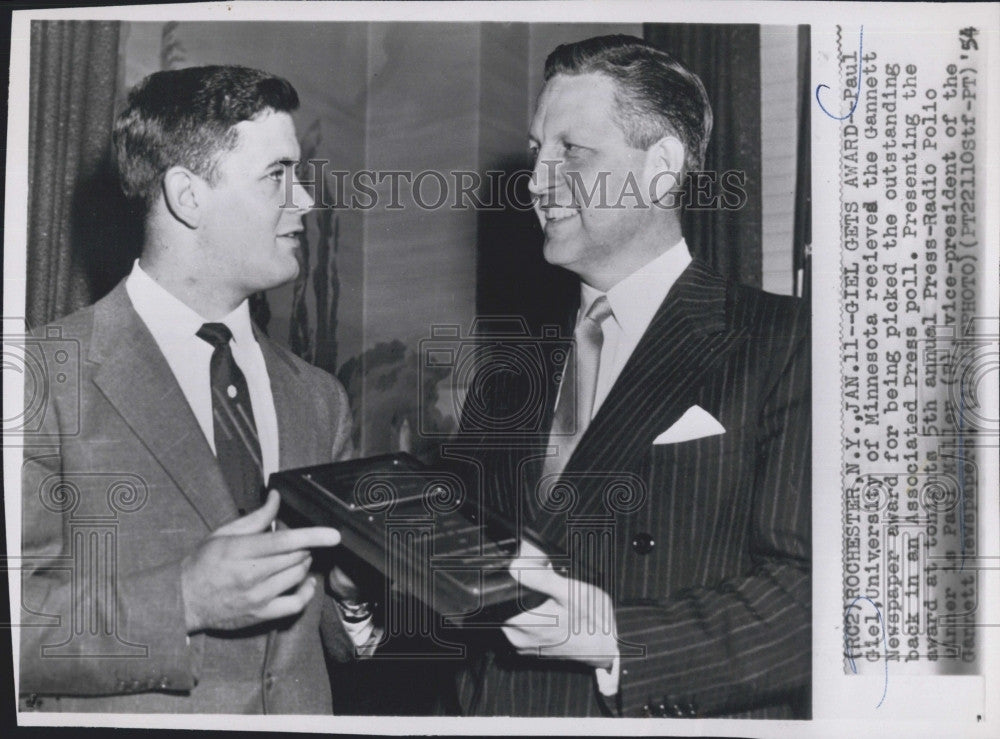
(696, 423)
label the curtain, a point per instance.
(803, 175)
(727, 59)
(72, 204)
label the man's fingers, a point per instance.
(529, 550)
(533, 574)
(273, 586)
(530, 640)
(255, 521)
(546, 614)
(515, 636)
(259, 569)
(271, 543)
(289, 605)
(532, 568)
(290, 540)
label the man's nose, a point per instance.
(544, 176)
(301, 199)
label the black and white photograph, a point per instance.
(394, 368)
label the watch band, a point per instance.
(353, 612)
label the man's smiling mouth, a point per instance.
(555, 214)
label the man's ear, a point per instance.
(664, 167)
(185, 196)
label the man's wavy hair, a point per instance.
(656, 95)
(185, 117)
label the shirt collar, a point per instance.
(635, 299)
(170, 319)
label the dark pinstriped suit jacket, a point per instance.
(705, 546)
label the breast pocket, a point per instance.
(698, 513)
(709, 453)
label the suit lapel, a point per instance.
(688, 336)
(292, 404)
(137, 381)
(531, 457)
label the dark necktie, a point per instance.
(576, 392)
(236, 445)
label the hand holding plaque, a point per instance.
(419, 529)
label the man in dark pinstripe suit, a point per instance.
(676, 509)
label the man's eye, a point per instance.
(276, 174)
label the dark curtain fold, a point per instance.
(74, 80)
(803, 175)
(727, 58)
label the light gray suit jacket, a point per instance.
(124, 485)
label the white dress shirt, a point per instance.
(634, 301)
(174, 327)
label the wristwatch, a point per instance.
(355, 612)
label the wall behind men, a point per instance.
(414, 97)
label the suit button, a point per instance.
(268, 681)
(642, 543)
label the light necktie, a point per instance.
(236, 444)
(577, 389)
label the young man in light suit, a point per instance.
(686, 439)
(189, 599)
